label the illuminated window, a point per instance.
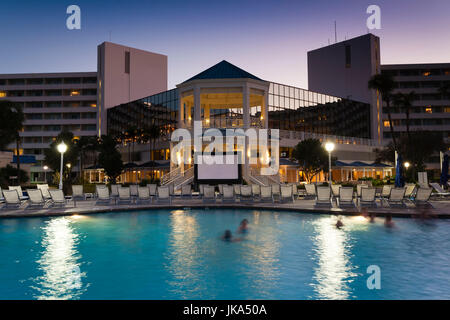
(2, 94)
(93, 105)
(74, 93)
(386, 123)
(428, 110)
(426, 73)
(447, 109)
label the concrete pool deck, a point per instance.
(441, 208)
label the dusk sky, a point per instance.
(267, 38)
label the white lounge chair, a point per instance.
(323, 196)
(77, 193)
(246, 194)
(221, 190)
(103, 196)
(152, 189)
(133, 191)
(409, 191)
(286, 194)
(294, 191)
(124, 195)
(201, 188)
(12, 199)
(115, 190)
(36, 200)
(385, 192)
(2, 198)
(276, 192)
(256, 191)
(237, 190)
(439, 191)
(44, 190)
(368, 197)
(311, 192)
(209, 194)
(58, 198)
(345, 197)
(186, 191)
(396, 197)
(359, 187)
(19, 191)
(143, 195)
(164, 195)
(335, 190)
(98, 186)
(266, 194)
(228, 194)
(422, 197)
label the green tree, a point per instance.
(109, 158)
(405, 101)
(423, 145)
(10, 171)
(312, 157)
(11, 123)
(385, 84)
(53, 157)
(86, 145)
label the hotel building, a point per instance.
(225, 96)
(78, 101)
(344, 69)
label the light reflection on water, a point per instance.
(182, 255)
(334, 271)
(59, 262)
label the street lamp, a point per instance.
(45, 172)
(406, 164)
(329, 146)
(62, 147)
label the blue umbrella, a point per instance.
(444, 173)
(399, 183)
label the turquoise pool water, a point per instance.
(178, 254)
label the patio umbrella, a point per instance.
(399, 183)
(444, 172)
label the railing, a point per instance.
(168, 177)
(301, 135)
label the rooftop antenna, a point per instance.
(335, 32)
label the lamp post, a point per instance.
(406, 164)
(329, 146)
(62, 147)
(45, 172)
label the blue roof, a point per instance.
(223, 70)
(25, 159)
(361, 164)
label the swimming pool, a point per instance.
(178, 254)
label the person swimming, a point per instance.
(228, 237)
(243, 227)
(388, 222)
(339, 223)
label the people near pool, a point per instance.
(228, 237)
(243, 227)
(388, 221)
(339, 223)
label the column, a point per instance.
(180, 111)
(246, 106)
(197, 104)
(265, 111)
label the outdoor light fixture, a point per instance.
(45, 172)
(407, 165)
(68, 165)
(62, 147)
(329, 146)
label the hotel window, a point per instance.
(447, 109)
(428, 110)
(348, 56)
(127, 62)
(2, 94)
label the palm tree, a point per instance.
(385, 84)
(405, 100)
